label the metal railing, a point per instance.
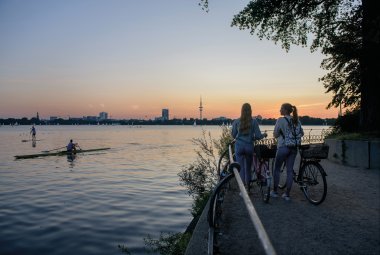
(308, 137)
(234, 168)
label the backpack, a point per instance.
(293, 134)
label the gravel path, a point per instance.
(347, 222)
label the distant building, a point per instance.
(91, 118)
(165, 114)
(75, 118)
(103, 116)
(53, 118)
(221, 118)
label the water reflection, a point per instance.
(34, 143)
(92, 196)
(71, 158)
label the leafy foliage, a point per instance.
(344, 51)
(169, 243)
(336, 29)
(349, 122)
(124, 249)
(224, 140)
(204, 5)
(346, 31)
(199, 177)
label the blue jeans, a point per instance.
(288, 155)
(244, 156)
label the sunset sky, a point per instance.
(132, 58)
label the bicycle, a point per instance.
(311, 176)
(261, 174)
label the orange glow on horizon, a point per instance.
(177, 109)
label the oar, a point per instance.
(54, 149)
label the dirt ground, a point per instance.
(347, 222)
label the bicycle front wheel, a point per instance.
(313, 182)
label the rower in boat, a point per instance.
(58, 153)
(72, 147)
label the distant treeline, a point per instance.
(305, 120)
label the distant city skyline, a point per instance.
(75, 58)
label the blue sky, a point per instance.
(133, 58)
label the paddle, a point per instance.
(31, 140)
(53, 149)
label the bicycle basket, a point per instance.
(265, 151)
(315, 151)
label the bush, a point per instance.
(169, 243)
(346, 127)
(347, 123)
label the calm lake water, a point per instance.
(52, 205)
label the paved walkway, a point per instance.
(347, 222)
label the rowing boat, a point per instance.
(58, 153)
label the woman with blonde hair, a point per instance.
(245, 130)
(288, 131)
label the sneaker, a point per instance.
(286, 197)
(273, 194)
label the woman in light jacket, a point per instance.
(245, 130)
(285, 153)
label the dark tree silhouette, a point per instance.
(346, 31)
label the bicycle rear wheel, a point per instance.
(264, 181)
(259, 185)
(313, 182)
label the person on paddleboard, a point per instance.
(72, 147)
(33, 132)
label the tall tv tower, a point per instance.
(200, 109)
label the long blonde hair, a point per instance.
(291, 109)
(245, 119)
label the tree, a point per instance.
(346, 31)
